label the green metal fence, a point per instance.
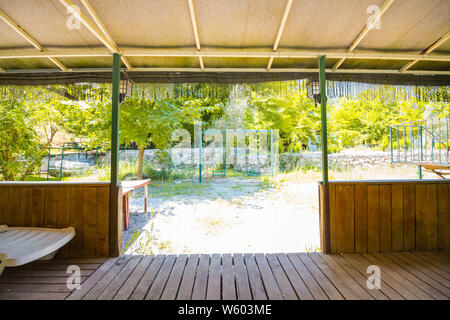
(424, 141)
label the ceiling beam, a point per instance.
(441, 40)
(349, 71)
(133, 52)
(87, 5)
(364, 32)
(29, 38)
(195, 30)
(287, 9)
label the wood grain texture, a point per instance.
(389, 216)
(86, 208)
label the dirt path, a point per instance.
(225, 215)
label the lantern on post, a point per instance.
(313, 89)
(126, 88)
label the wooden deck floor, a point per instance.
(417, 275)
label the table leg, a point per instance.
(145, 198)
(126, 211)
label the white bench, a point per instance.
(21, 245)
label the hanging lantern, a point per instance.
(126, 88)
(313, 89)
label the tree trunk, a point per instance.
(140, 162)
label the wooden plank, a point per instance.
(333, 226)
(361, 218)
(63, 215)
(201, 278)
(38, 207)
(357, 276)
(128, 287)
(187, 283)
(116, 283)
(140, 291)
(102, 222)
(388, 269)
(345, 218)
(430, 265)
(160, 281)
(228, 280)
(385, 218)
(435, 259)
(397, 217)
(431, 217)
(89, 221)
(32, 296)
(411, 274)
(32, 287)
(307, 277)
(294, 278)
(346, 285)
(4, 194)
(280, 276)
(51, 207)
(409, 218)
(256, 285)
(13, 212)
(37, 280)
(14, 272)
(58, 266)
(107, 278)
(174, 281)
(242, 281)
(214, 278)
(272, 290)
(25, 217)
(389, 286)
(76, 221)
(425, 274)
(373, 218)
(421, 212)
(319, 276)
(444, 216)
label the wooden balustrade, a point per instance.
(84, 206)
(387, 216)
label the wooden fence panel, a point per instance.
(84, 206)
(389, 216)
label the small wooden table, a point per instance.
(127, 187)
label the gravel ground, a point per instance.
(225, 215)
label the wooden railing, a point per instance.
(386, 216)
(84, 206)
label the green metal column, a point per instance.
(324, 147)
(115, 121)
(115, 211)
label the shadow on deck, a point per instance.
(406, 275)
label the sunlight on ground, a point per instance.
(238, 214)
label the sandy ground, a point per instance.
(226, 216)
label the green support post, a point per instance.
(324, 147)
(115, 216)
(48, 162)
(419, 172)
(115, 121)
(61, 164)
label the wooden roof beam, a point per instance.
(364, 32)
(287, 9)
(29, 38)
(195, 30)
(87, 5)
(439, 42)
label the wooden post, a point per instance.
(115, 218)
(324, 147)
